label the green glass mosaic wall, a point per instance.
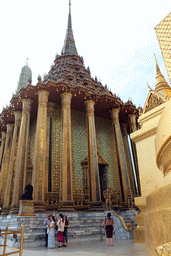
(107, 149)
(105, 141)
(56, 149)
(79, 147)
(32, 134)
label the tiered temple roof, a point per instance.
(69, 74)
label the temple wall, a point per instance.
(79, 146)
(107, 149)
(32, 139)
(56, 149)
(106, 143)
(128, 158)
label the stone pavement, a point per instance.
(94, 248)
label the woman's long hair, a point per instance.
(109, 215)
(65, 218)
(62, 217)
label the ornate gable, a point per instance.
(153, 100)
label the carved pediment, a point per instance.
(101, 160)
(153, 100)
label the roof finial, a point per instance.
(149, 87)
(69, 6)
(69, 47)
(157, 66)
(27, 62)
(161, 84)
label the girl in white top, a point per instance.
(61, 225)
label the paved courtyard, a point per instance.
(121, 247)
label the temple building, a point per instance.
(67, 136)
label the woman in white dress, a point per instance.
(51, 233)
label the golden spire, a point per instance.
(69, 6)
(27, 62)
(69, 47)
(161, 84)
(158, 72)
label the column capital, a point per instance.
(17, 115)
(3, 134)
(10, 127)
(66, 98)
(89, 107)
(132, 118)
(26, 105)
(115, 115)
(43, 96)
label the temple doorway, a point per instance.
(103, 180)
(103, 176)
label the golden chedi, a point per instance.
(158, 206)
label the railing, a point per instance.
(7, 232)
(164, 250)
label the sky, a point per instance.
(117, 40)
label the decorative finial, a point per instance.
(69, 6)
(69, 47)
(27, 62)
(157, 66)
(149, 87)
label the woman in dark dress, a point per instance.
(65, 230)
(109, 226)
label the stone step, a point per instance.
(84, 226)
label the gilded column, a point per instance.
(21, 155)
(121, 153)
(133, 128)
(5, 162)
(11, 168)
(94, 181)
(39, 167)
(3, 138)
(66, 193)
(131, 175)
(49, 174)
(133, 125)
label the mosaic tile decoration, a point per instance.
(14, 167)
(163, 31)
(127, 155)
(107, 149)
(79, 146)
(96, 169)
(6, 162)
(56, 149)
(32, 139)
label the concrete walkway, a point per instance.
(121, 247)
